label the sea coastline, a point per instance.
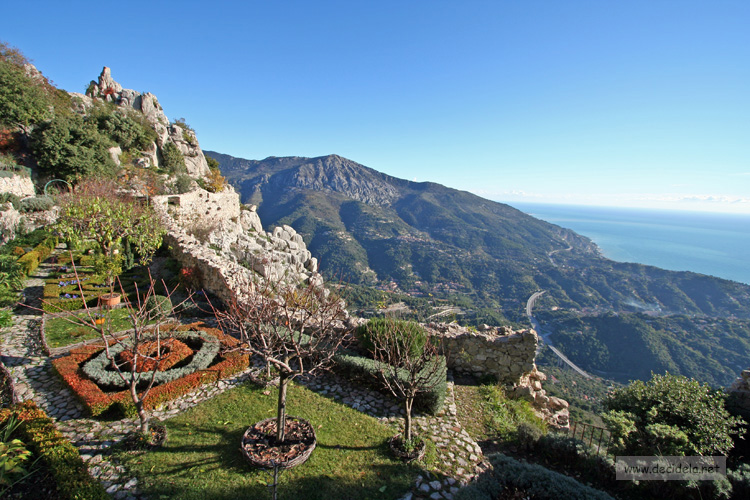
(703, 242)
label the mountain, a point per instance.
(427, 240)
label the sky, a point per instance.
(603, 102)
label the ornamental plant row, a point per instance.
(96, 400)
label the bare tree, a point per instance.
(410, 362)
(296, 328)
(136, 354)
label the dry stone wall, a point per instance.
(506, 355)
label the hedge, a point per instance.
(31, 260)
(98, 401)
(41, 436)
(367, 370)
(534, 481)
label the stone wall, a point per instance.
(19, 185)
(500, 352)
(506, 355)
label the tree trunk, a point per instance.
(281, 416)
(142, 413)
(408, 402)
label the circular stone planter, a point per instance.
(417, 453)
(261, 449)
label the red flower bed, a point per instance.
(98, 401)
(172, 352)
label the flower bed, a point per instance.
(98, 400)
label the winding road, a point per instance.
(545, 334)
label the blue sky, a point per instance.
(638, 103)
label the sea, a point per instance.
(711, 243)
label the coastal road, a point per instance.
(545, 334)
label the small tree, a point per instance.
(409, 358)
(670, 415)
(294, 328)
(96, 212)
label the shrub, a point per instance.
(37, 204)
(183, 184)
(670, 415)
(379, 327)
(12, 198)
(534, 481)
(158, 306)
(172, 160)
(68, 470)
(67, 147)
(366, 370)
(29, 262)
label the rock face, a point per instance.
(739, 395)
(107, 89)
(20, 185)
(227, 243)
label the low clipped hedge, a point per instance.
(39, 433)
(96, 368)
(534, 481)
(367, 370)
(30, 261)
(97, 400)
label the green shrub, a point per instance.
(670, 415)
(506, 414)
(534, 481)
(172, 160)
(70, 474)
(377, 328)
(12, 198)
(183, 184)
(67, 147)
(158, 307)
(29, 262)
(740, 480)
(366, 370)
(37, 204)
(11, 274)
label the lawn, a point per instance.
(202, 458)
(61, 332)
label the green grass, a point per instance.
(202, 459)
(61, 332)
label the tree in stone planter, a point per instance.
(295, 328)
(95, 211)
(409, 362)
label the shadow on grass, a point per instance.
(218, 470)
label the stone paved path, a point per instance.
(22, 352)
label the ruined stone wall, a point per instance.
(508, 356)
(500, 352)
(739, 395)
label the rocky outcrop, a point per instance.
(553, 410)
(20, 185)
(211, 231)
(107, 89)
